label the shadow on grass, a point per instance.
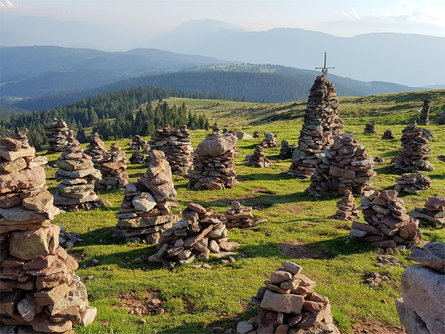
(101, 236)
(385, 170)
(268, 177)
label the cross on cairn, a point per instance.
(324, 69)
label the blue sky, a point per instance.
(337, 17)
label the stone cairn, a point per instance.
(289, 304)
(213, 165)
(270, 140)
(412, 183)
(21, 135)
(56, 133)
(347, 209)
(39, 287)
(177, 146)
(240, 217)
(433, 212)
(388, 224)
(321, 123)
(113, 168)
(256, 134)
(370, 129)
(77, 173)
(146, 209)
(195, 236)
(388, 135)
(258, 158)
(346, 166)
(141, 147)
(425, 113)
(414, 153)
(138, 158)
(422, 306)
(96, 149)
(286, 150)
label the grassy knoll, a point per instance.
(197, 300)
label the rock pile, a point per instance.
(286, 150)
(388, 224)
(96, 149)
(425, 113)
(256, 134)
(270, 140)
(177, 146)
(113, 168)
(213, 165)
(56, 133)
(21, 135)
(195, 236)
(414, 153)
(137, 158)
(289, 304)
(321, 123)
(39, 287)
(77, 173)
(387, 135)
(146, 209)
(139, 143)
(433, 212)
(240, 217)
(370, 129)
(258, 158)
(422, 306)
(346, 166)
(347, 209)
(412, 183)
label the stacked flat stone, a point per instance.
(213, 164)
(177, 146)
(256, 134)
(422, 306)
(240, 217)
(198, 234)
(113, 168)
(138, 158)
(56, 133)
(414, 153)
(270, 140)
(77, 173)
(286, 150)
(146, 209)
(425, 113)
(258, 158)
(38, 285)
(388, 135)
(347, 209)
(289, 304)
(96, 149)
(433, 212)
(370, 129)
(346, 166)
(388, 226)
(412, 183)
(21, 135)
(321, 123)
(139, 143)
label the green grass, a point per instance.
(197, 300)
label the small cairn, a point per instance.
(414, 153)
(137, 158)
(289, 304)
(177, 146)
(146, 209)
(286, 150)
(139, 143)
(347, 209)
(258, 158)
(433, 212)
(425, 113)
(56, 133)
(240, 217)
(21, 135)
(213, 165)
(256, 134)
(412, 183)
(270, 140)
(113, 168)
(96, 149)
(38, 287)
(388, 135)
(195, 236)
(388, 226)
(346, 166)
(77, 173)
(370, 129)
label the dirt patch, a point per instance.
(142, 303)
(298, 250)
(294, 208)
(364, 327)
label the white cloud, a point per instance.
(8, 4)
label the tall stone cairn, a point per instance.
(289, 304)
(286, 150)
(56, 134)
(388, 226)
(39, 287)
(370, 129)
(213, 164)
(346, 166)
(113, 168)
(77, 173)
(96, 149)
(412, 183)
(321, 123)
(388, 135)
(425, 113)
(433, 212)
(146, 209)
(422, 306)
(258, 158)
(177, 146)
(414, 153)
(21, 135)
(347, 209)
(198, 234)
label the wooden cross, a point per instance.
(324, 69)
